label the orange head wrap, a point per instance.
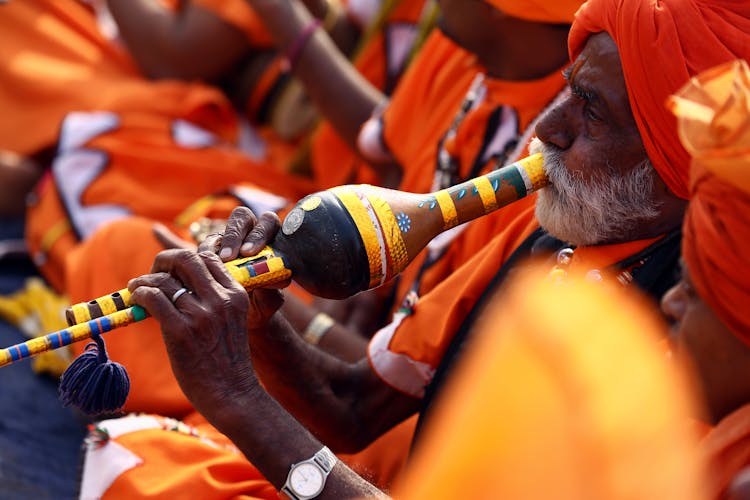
(662, 44)
(714, 124)
(542, 11)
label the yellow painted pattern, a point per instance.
(391, 234)
(448, 208)
(311, 203)
(125, 294)
(107, 304)
(81, 312)
(534, 167)
(366, 230)
(486, 193)
(276, 273)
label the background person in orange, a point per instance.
(127, 149)
(592, 134)
(109, 245)
(466, 105)
(242, 60)
(488, 120)
(598, 414)
(709, 304)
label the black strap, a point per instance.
(655, 272)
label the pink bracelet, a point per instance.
(295, 49)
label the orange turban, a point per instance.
(662, 44)
(542, 11)
(714, 124)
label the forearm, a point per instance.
(345, 405)
(338, 340)
(272, 440)
(344, 96)
(189, 43)
(302, 378)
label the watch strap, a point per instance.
(325, 459)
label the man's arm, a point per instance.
(328, 76)
(345, 404)
(205, 332)
(335, 338)
(189, 43)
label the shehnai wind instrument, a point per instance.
(333, 243)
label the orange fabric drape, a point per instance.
(406, 353)
(563, 394)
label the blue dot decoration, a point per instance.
(403, 221)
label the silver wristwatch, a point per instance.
(307, 478)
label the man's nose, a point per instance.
(673, 303)
(556, 126)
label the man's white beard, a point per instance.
(605, 209)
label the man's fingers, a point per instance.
(218, 270)
(211, 243)
(264, 230)
(168, 239)
(264, 304)
(188, 268)
(240, 222)
(163, 281)
(157, 304)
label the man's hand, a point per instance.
(205, 328)
(245, 234)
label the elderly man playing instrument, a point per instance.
(614, 209)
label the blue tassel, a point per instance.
(93, 383)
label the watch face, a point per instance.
(306, 479)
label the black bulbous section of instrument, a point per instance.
(320, 243)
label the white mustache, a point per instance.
(604, 208)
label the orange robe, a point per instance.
(54, 60)
(419, 117)
(119, 136)
(381, 61)
(406, 353)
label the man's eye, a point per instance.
(591, 114)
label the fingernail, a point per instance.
(225, 253)
(246, 247)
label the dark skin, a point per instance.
(18, 175)
(346, 405)
(595, 130)
(721, 360)
(202, 344)
(514, 49)
(472, 24)
(192, 42)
